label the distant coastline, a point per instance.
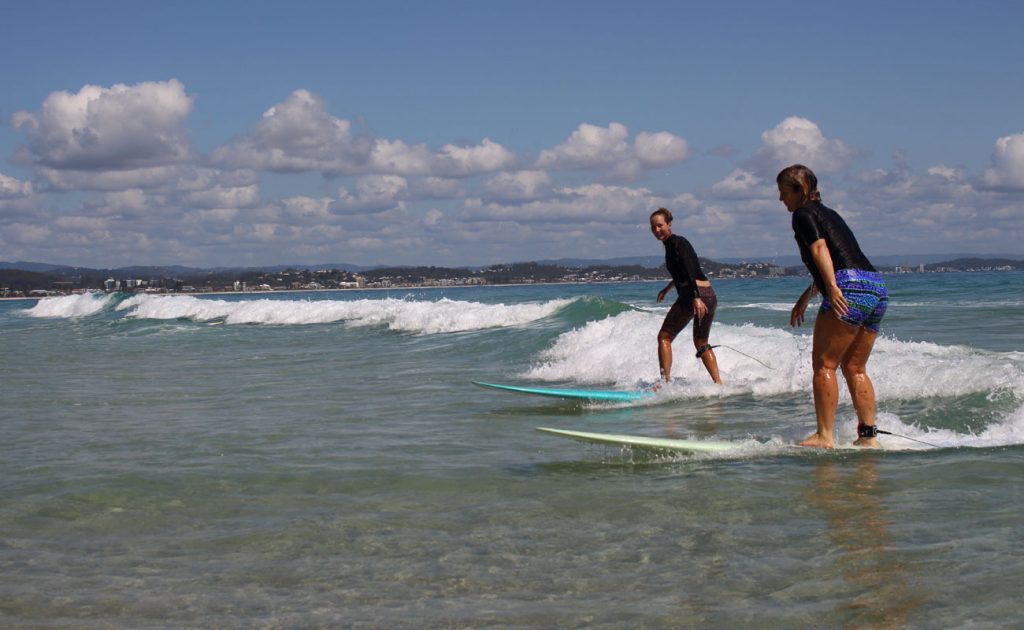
(24, 284)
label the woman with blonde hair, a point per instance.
(854, 300)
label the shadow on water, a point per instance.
(613, 461)
(552, 411)
(879, 579)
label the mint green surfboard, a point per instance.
(578, 394)
(644, 442)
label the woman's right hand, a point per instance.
(796, 316)
(662, 294)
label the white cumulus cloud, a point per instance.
(11, 188)
(300, 135)
(517, 186)
(742, 184)
(132, 202)
(589, 146)
(397, 157)
(660, 149)
(608, 149)
(224, 197)
(458, 161)
(591, 202)
(798, 140)
(307, 209)
(1007, 170)
(373, 194)
(435, 188)
(99, 128)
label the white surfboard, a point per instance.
(691, 446)
(644, 442)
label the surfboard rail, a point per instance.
(702, 446)
(569, 393)
(645, 442)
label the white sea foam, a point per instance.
(1007, 431)
(426, 317)
(622, 349)
(765, 306)
(69, 306)
(967, 304)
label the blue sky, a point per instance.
(467, 133)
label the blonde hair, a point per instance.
(799, 177)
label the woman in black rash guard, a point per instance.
(854, 300)
(696, 297)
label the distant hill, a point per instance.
(69, 269)
(25, 281)
(30, 266)
(342, 266)
(892, 260)
(977, 264)
(652, 262)
(27, 276)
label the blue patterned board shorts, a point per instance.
(865, 293)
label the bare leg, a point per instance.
(862, 391)
(709, 360)
(831, 340)
(665, 355)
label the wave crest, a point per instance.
(424, 317)
(70, 306)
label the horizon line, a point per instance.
(369, 266)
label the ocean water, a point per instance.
(323, 460)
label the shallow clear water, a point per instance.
(323, 460)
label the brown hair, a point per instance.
(663, 212)
(799, 177)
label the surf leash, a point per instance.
(722, 345)
(871, 431)
(908, 438)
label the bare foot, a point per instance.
(867, 442)
(817, 441)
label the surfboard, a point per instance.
(644, 442)
(578, 394)
(695, 446)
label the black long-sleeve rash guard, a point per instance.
(681, 261)
(815, 221)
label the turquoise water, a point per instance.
(322, 460)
